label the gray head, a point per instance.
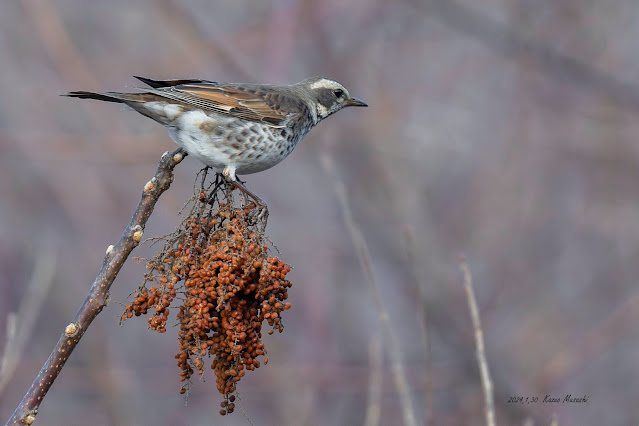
(328, 96)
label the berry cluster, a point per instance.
(216, 264)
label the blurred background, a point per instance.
(501, 130)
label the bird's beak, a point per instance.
(356, 102)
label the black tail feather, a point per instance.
(102, 96)
(157, 84)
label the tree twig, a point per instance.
(391, 344)
(425, 323)
(20, 325)
(486, 382)
(373, 408)
(98, 295)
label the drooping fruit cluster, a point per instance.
(216, 264)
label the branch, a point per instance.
(98, 296)
(425, 323)
(365, 260)
(486, 382)
(508, 41)
(375, 382)
(20, 325)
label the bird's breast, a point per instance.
(219, 141)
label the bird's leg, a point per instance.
(230, 177)
(261, 205)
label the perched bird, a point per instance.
(235, 128)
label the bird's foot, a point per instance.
(262, 208)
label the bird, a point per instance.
(235, 128)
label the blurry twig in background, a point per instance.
(486, 382)
(98, 295)
(391, 344)
(58, 44)
(375, 379)
(20, 324)
(62, 52)
(8, 358)
(509, 42)
(575, 357)
(423, 316)
(187, 27)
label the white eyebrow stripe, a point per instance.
(323, 84)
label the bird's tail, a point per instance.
(124, 98)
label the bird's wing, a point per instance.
(255, 103)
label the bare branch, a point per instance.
(486, 382)
(423, 316)
(98, 295)
(373, 409)
(509, 42)
(20, 325)
(187, 27)
(397, 367)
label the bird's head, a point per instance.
(327, 96)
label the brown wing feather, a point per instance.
(250, 103)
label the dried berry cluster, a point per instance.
(216, 264)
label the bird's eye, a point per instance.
(338, 93)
